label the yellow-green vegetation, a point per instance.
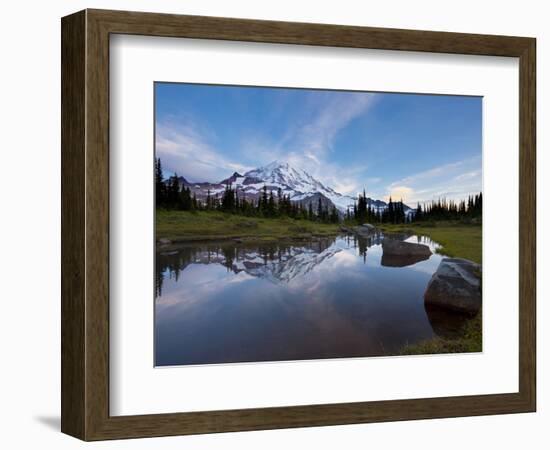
(469, 340)
(457, 239)
(213, 225)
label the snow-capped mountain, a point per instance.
(296, 183)
(283, 265)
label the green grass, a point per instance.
(469, 341)
(457, 239)
(213, 225)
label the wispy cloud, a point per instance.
(193, 152)
(333, 112)
(185, 150)
(454, 180)
(306, 134)
(308, 143)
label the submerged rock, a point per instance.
(401, 260)
(446, 324)
(164, 241)
(456, 286)
(400, 254)
(393, 247)
(365, 230)
(368, 226)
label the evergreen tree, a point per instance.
(320, 209)
(184, 199)
(228, 199)
(418, 215)
(208, 200)
(271, 209)
(262, 202)
(173, 192)
(160, 188)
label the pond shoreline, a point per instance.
(291, 299)
(201, 226)
(180, 230)
(452, 332)
(162, 244)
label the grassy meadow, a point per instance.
(215, 225)
(457, 239)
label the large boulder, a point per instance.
(456, 286)
(401, 248)
(397, 253)
(365, 230)
(446, 323)
(369, 226)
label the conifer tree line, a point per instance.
(171, 194)
(363, 212)
(441, 209)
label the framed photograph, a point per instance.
(271, 224)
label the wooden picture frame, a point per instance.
(85, 224)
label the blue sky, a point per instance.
(414, 147)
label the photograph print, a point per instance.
(306, 224)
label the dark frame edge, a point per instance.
(73, 224)
(85, 387)
(527, 224)
(210, 422)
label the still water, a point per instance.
(323, 298)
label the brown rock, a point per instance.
(400, 254)
(456, 286)
(393, 247)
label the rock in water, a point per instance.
(446, 323)
(393, 247)
(456, 285)
(365, 230)
(400, 254)
(401, 260)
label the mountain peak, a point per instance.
(296, 183)
(232, 178)
(276, 164)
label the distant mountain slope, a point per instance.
(296, 183)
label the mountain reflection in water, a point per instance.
(323, 298)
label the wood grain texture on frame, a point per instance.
(85, 224)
